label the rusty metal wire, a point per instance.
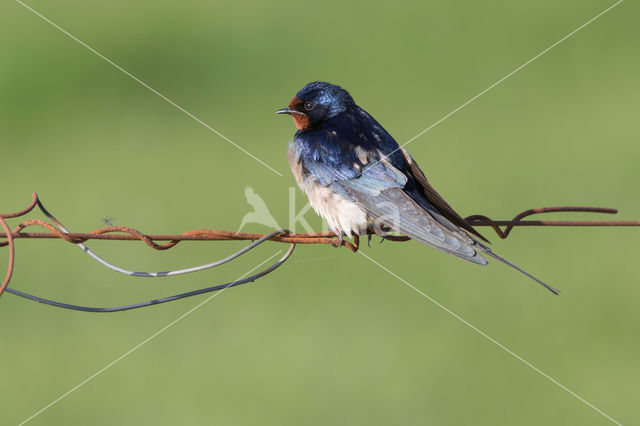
(124, 233)
(480, 220)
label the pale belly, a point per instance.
(341, 214)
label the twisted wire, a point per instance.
(123, 233)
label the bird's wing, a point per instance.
(393, 207)
(378, 190)
(436, 199)
(377, 178)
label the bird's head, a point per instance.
(316, 102)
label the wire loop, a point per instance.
(124, 233)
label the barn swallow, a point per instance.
(360, 181)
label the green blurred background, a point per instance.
(329, 338)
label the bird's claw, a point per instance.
(340, 239)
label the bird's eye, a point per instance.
(309, 105)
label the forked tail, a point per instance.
(488, 252)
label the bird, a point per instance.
(360, 181)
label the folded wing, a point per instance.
(379, 191)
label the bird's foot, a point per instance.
(379, 229)
(340, 239)
(356, 243)
(383, 233)
(353, 246)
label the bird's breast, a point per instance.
(341, 214)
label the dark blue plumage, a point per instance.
(360, 181)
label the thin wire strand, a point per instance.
(185, 270)
(10, 243)
(58, 230)
(136, 347)
(162, 299)
(63, 229)
(166, 273)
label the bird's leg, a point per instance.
(356, 242)
(370, 231)
(382, 230)
(340, 238)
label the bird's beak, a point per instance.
(288, 110)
